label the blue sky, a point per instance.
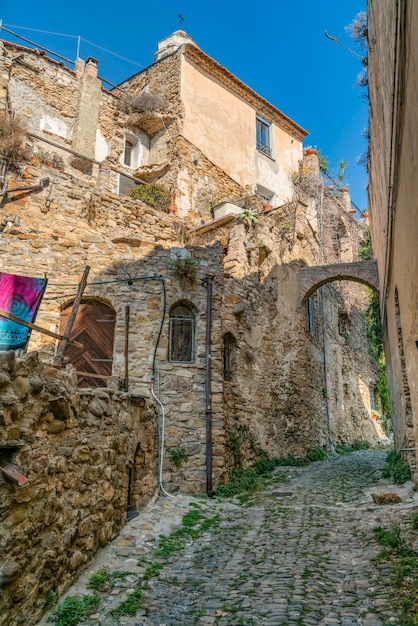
(276, 47)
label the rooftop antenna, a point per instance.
(181, 18)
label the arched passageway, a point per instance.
(313, 277)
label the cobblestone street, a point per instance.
(299, 553)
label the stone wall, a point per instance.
(79, 451)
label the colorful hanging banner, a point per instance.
(20, 296)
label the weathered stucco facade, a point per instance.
(281, 381)
(393, 199)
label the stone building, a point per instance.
(393, 87)
(197, 354)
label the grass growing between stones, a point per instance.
(73, 609)
(194, 524)
(99, 580)
(131, 604)
(396, 469)
(246, 481)
(352, 447)
(403, 562)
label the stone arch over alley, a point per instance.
(311, 278)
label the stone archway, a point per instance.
(313, 277)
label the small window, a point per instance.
(343, 322)
(372, 393)
(264, 137)
(128, 154)
(125, 185)
(132, 150)
(230, 356)
(182, 335)
(310, 311)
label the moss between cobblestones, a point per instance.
(194, 524)
(403, 562)
(248, 480)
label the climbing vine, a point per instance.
(375, 336)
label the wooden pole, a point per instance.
(39, 329)
(127, 313)
(71, 318)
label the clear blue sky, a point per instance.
(276, 47)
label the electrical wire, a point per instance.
(161, 328)
(108, 282)
(36, 30)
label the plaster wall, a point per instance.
(393, 74)
(229, 141)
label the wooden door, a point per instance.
(94, 327)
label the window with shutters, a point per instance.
(182, 335)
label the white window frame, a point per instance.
(133, 140)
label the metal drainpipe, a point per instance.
(208, 386)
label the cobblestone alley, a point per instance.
(299, 553)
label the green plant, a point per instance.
(323, 161)
(396, 469)
(194, 523)
(153, 570)
(99, 580)
(233, 442)
(414, 521)
(154, 195)
(240, 480)
(185, 267)
(249, 216)
(51, 598)
(402, 560)
(178, 456)
(73, 609)
(389, 537)
(317, 454)
(360, 445)
(342, 166)
(130, 605)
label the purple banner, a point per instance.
(20, 296)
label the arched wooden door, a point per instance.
(94, 327)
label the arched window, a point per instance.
(230, 356)
(182, 334)
(94, 327)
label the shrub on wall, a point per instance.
(12, 138)
(155, 195)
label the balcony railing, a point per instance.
(264, 148)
